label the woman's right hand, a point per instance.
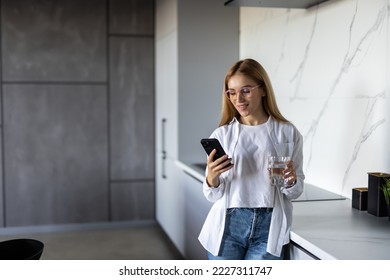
(216, 168)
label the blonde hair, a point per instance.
(253, 70)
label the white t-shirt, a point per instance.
(250, 185)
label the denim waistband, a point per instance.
(257, 209)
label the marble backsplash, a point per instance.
(330, 70)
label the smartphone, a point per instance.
(209, 144)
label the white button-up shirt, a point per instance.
(287, 141)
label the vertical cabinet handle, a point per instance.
(163, 151)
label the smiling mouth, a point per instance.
(242, 106)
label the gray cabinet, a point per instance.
(78, 112)
(55, 154)
(54, 40)
(132, 108)
(132, 201)
(131, 17)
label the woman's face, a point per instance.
(246, 96)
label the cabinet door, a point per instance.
(195, 213)
(166, 97)
(169, 197)
(55, 152)
(131, 108)
(170, 203)
(182, 210)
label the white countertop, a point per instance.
(332, 229)
(335, 230)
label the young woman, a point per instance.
(250, 219)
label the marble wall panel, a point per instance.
(53, 40)
(55, 154)
(330, 74)
(132, 17)
(132, 108)
(132, 201)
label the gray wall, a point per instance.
(77, 103)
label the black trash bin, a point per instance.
(21, 249)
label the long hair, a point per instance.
(253, 70)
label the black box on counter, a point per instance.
(359, 198)
(376, 204)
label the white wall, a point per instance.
(330, 71)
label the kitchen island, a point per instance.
(327, 227)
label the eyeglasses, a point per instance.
(244, 91)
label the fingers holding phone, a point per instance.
(222, 163)
(217, 167)
(217, 163)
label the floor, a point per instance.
(135, 243)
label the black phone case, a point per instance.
(211, 143)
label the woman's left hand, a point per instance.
(290, 175)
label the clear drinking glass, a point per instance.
(276, 165)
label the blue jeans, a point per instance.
(246, 235)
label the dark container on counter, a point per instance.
(359, 198)
(376, 203)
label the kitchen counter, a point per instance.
(310, 193)
(326, 225)
(335, 230)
